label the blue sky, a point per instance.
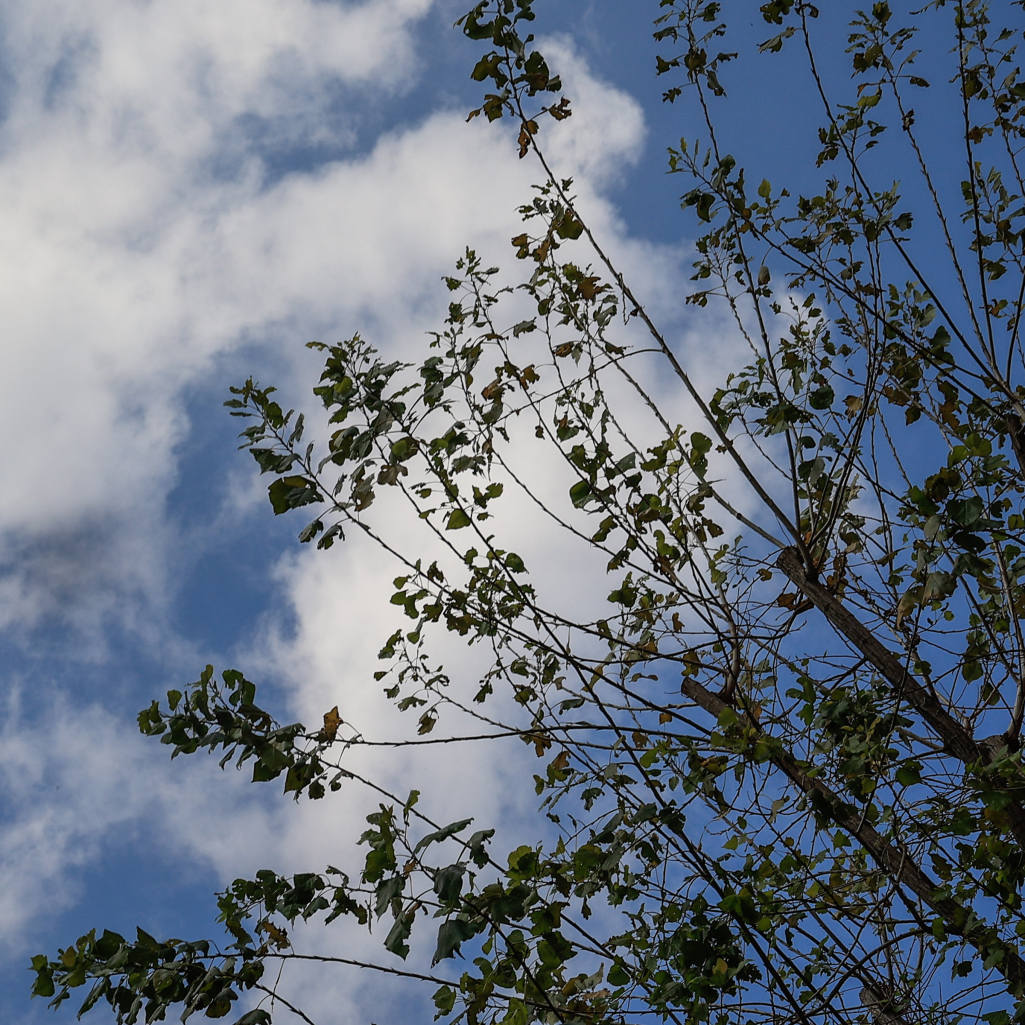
(191, 192)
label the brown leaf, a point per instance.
(278, 936)
(561, 110)
(332, 720)
(527, 129)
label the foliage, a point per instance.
(781, 767)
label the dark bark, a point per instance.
(956, 740)
(895, 861)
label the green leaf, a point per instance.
(387, 891)
(821, 398)
(442, 834)
(617, 976)
(476, 845)
(581, 493)
(965, 511)
(457, 520)
(444, 1001)
(309, 532)
(271, 461)
(258, 1016)
(448, 882)
(395, 941)
(291, 493)
(996, 1017)
(43, 985)
(569, 227)
(702, 203)
(100, 989)
(451, 936)
(404, 448)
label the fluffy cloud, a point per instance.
(145, 242)
(130, 164)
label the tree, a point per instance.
(781, 767)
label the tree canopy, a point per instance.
(780, 764)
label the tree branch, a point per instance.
(957, 740)
(957, 919)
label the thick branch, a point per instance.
(880, 1008)
(958, 920)
(957, 740)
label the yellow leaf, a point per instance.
(332, 720)
(278, 936)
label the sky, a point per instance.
(190, 193)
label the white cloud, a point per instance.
(605, 136)
(76, 780)
(142, 244)
(119, 281)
